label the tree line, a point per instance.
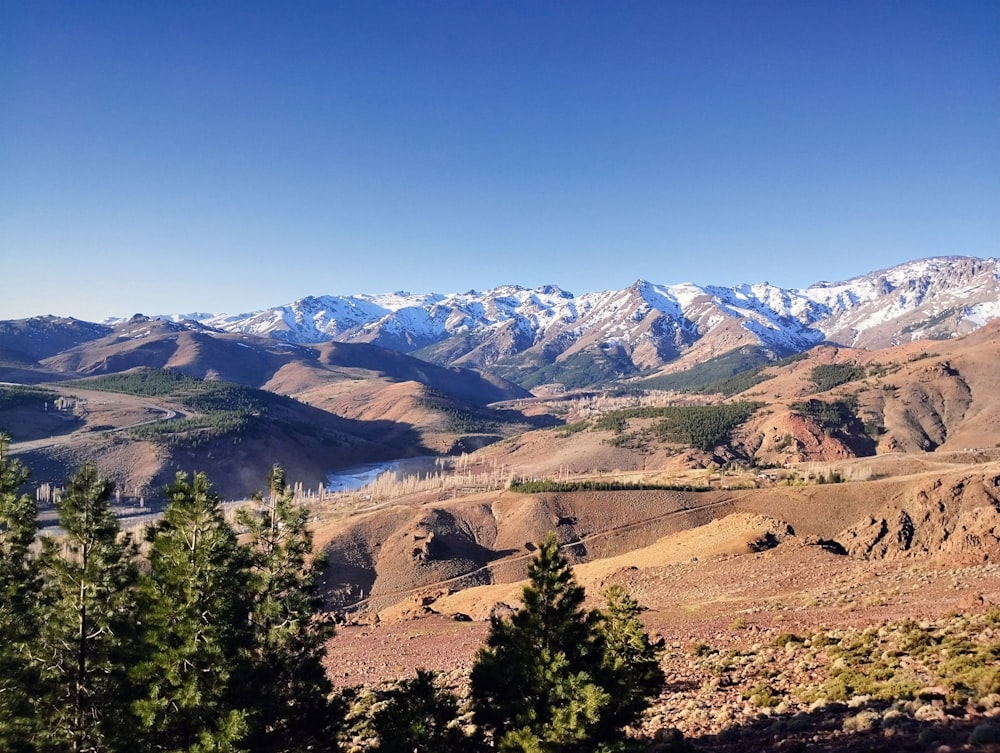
(202, 639)
(542, 485)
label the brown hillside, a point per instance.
(428, 543)
(919, 397)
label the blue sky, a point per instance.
(229, 156)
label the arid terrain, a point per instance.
(727, 594)
(823, 565)
(762, 582)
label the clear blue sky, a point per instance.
(169, 157)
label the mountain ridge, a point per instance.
(547, 335)
(509, 330)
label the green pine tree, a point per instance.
(289, 690)
(534, 683)
(19, 587)
(632, 670)
(85, 639)
(196, 633)
(559, 679)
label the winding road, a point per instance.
(104, 413)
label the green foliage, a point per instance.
(538, 486)
(784, 442)
(736, 383)
(224, 409)
(878, 370)
(714, 370)
(289, 691)
(221, 409)
(839, 418)
(144, 382)
(19, 607)
(418, 716)
(699, 426)
(554, 677)
(874, 429)
(22, 396)
(195, 626)
(567, 430)
(833, 477)
(826, 376)
(86, 641)
(466, 420)
(631, 661)
(211, 646)
(829, 414)
(704, 426)
(729, 373)
(584, 369)
(932, 321)
(783, 639)
(763, 696)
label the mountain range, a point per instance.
(335, 364)
(546, 334)
(549, 337)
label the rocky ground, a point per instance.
(790, 649)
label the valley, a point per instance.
(838, 495)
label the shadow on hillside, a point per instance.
(875, 727)
(306, 442)
(28, 425)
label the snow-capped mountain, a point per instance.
(512, 330)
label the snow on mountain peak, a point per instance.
(945, 291)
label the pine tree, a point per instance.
(534, 683)
(559, 679)
(19, 586)
(85, 637)
(632, 671)
(290, 692)
(195, 627)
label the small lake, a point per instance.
(352, 479)
(359, 476)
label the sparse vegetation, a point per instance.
(568, 430)
(220, 409)
(466, 420)
(224, 409)
(959, 655)
(879, 370)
